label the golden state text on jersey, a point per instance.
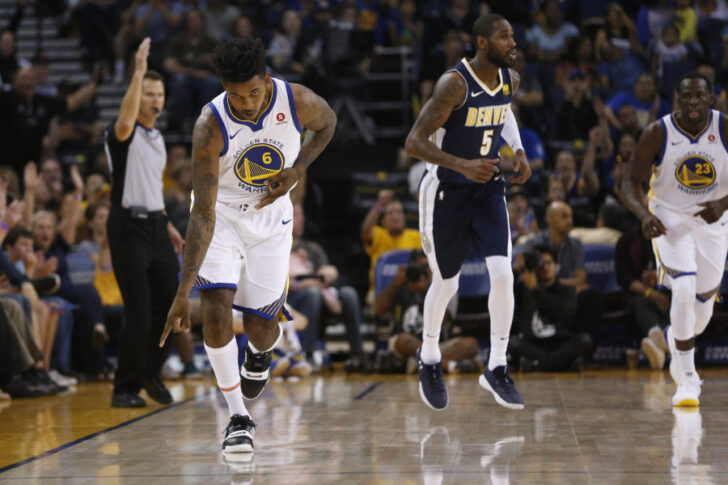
(473, 129)
(256, 150)
(690, 168)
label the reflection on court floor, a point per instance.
(601, 427)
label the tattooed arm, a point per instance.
(314, 114)
(207, 143)
(450, 91)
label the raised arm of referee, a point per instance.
(140, 237)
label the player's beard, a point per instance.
(500, 61)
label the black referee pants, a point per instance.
(146, 269)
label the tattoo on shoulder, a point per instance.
(449, 90)
(202, 132)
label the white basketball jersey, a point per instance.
(690, 169)
(256, 151)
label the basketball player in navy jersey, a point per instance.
(247, 155)
(462, 199)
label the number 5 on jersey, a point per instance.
(487, 142)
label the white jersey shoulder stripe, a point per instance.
(292, 105)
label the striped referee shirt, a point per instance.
(136, 166)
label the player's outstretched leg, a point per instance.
(262, 337)
(429, 360)
(495, 377)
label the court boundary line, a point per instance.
(92, 435)
(366, 391)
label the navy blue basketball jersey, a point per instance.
(473, 129)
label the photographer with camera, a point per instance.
(545, 313)
(405, 298)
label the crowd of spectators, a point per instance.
(593, 75)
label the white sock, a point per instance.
(498, 347)
(436, 300)
(224, 361)
(256, 351)
(687, 361)
(500, 306)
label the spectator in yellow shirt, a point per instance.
(392, 234)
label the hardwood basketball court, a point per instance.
(602, 427)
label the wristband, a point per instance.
(648, 291)
(4, 226)
(77, 196)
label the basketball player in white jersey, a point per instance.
(686, 156)
(246, 157)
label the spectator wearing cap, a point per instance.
(576, 115)
(645, 99)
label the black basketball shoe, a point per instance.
(432, 385)
(255, 372)
(239, 435)
(500, 384)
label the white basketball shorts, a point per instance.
(249, 253)
(691, 247)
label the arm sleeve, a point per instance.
(510, 132)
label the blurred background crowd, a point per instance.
(594, 74)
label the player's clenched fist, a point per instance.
(479, 170)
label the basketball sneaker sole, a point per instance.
(486, 385)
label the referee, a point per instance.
(140, 237)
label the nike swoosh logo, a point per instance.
(675, 143)
(236, 134)
(286, 222)
(475, 95)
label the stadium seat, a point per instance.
(81, 268)
(474, 279)
(386, 267)
(600, 270)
